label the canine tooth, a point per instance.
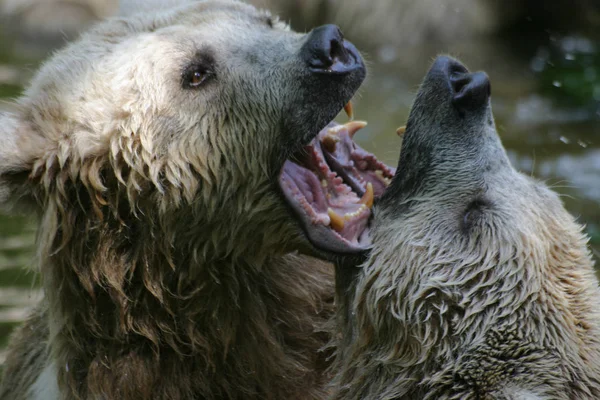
(324, 183)
(334, 130)
(329, 142)
(337, 222)
(354, 126)
(401, 130)
(383, 178)
(369, 196)
(349, 110)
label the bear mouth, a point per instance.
(331, 185)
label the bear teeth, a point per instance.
(349, 109)
(336, 220)
(354, 127)
(356, 213)
(369, 197)
(330, 142)
(383, 178)
(351, 127)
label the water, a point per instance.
(545, 98)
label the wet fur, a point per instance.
(165, 250)
(259, 327)
(480, 285)
(434, 321)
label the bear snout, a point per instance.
(470, 91)
(327, 52)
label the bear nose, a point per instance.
(470, 91)
(326, 51)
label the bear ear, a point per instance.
(20, 148)
(131, 7)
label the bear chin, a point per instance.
(331, 185)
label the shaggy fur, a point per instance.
(164, 243)
(479, 284)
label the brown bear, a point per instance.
(173, 156)
(479, 285)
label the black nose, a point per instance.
(326, 51)
(470, 91)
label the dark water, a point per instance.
(546, 101)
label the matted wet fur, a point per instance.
(260, 336)
(150, 149)
(480, 284)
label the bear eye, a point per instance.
(198, 78)
(195, 77)
(197, 74)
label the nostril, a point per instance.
(459, 75)
(456, 68)
(471, 91)
(338, 52)
(459, 81)
(326, 52)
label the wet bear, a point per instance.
(479, 285)
(170, 156)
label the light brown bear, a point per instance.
(479, 284)
(157, 151)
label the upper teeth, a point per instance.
(384, 179)
(330, 141)
(369, 196)
(352, 127)
(349, 110)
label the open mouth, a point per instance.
(331, 185)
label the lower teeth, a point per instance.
(336, 221)
(356, 213)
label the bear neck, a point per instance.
(134, 315)
(413, 312)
